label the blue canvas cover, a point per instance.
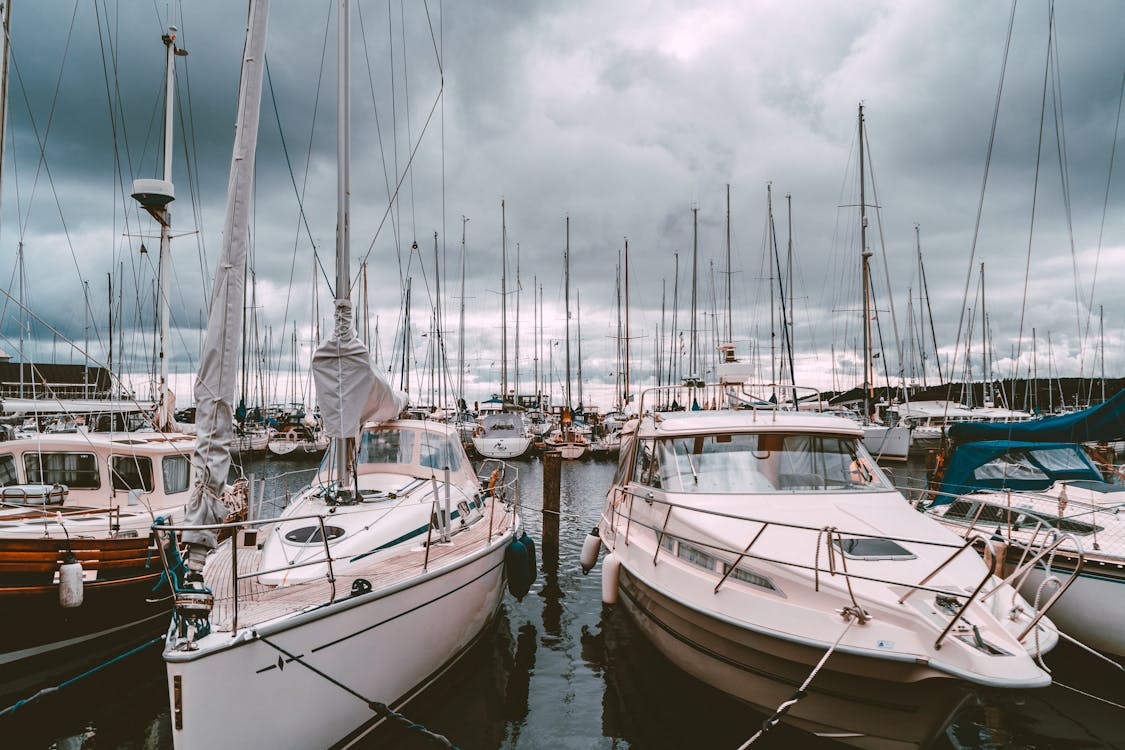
(1101, 423)
(1014, 465)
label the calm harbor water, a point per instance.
(559, 670)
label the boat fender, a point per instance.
(70, 581)
(611, 568)
(590, 549)
(519, 562)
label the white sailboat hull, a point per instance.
(385, 645)
(887, 443)
(502, 448)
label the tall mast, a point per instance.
(627, 373)
(154, 196)
(771, 243)
(673, 358)
(503, 307)
(694, 374)
(730, 315)
(578, 305)
(461, 323)
(516, 359)
(986, 375)
(619, 381)
(566, 276)
(343, 193)
(865, 255)
(6, 11)
(439, 354)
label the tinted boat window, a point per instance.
(8, 470)
(75, 470)
(131, 473)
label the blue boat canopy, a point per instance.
(1101, 423)
(1014, 465)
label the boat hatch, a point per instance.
(866, 548)
(311, 535)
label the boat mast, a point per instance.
(730, 315)
(343, 197)
(566, 276)
(627, 342)
(516, 359)
(771, 243)
(503, 308)
(439, 355)
(6, 11)
(865, 256)
(694, 374)
(461, 323)
(620, 375)
(986, 374)
(578, 321)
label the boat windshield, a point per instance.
(386, 447)
(396, 446)
(758, 463)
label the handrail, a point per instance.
(728, 388)
(961, 610)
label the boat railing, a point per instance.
(696, 394)
(499, 481)
(832, 539)
(234, 528)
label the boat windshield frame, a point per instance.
(755, 463)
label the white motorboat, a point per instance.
(751, 546)
(501, 436)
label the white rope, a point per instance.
(1088, 695)
(782, 709)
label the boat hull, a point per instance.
(385, 645)
(44, 643)
(859, 701)
(887, 443)
(501, 448)
(1092, 609)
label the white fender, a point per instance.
(611, 567)
(70, 583)
(590, 549)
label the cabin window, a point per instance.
(386, 447)
(8, 470)
(1060, 459)
(75, 470)
(696, 556)
(750, 577)
(437, 452)
(177, 472)
(131, 472)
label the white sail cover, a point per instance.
(348, 389)
(218, 362)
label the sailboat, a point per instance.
(567, 439)
(503, 434)
(310, 629)
(885, 442)
(80, 578)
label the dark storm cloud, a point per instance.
(623, 117)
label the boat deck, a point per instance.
(258, 603)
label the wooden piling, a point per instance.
(552, 471)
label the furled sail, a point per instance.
(345, 380)
(218, 363)
(1102, 423)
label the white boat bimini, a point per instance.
(752, 544)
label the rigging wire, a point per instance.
(983, 187)
(1035, 188)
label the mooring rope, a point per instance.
(378, 707)
(802, 691)
(48, 690)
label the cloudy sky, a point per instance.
(623, 116)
